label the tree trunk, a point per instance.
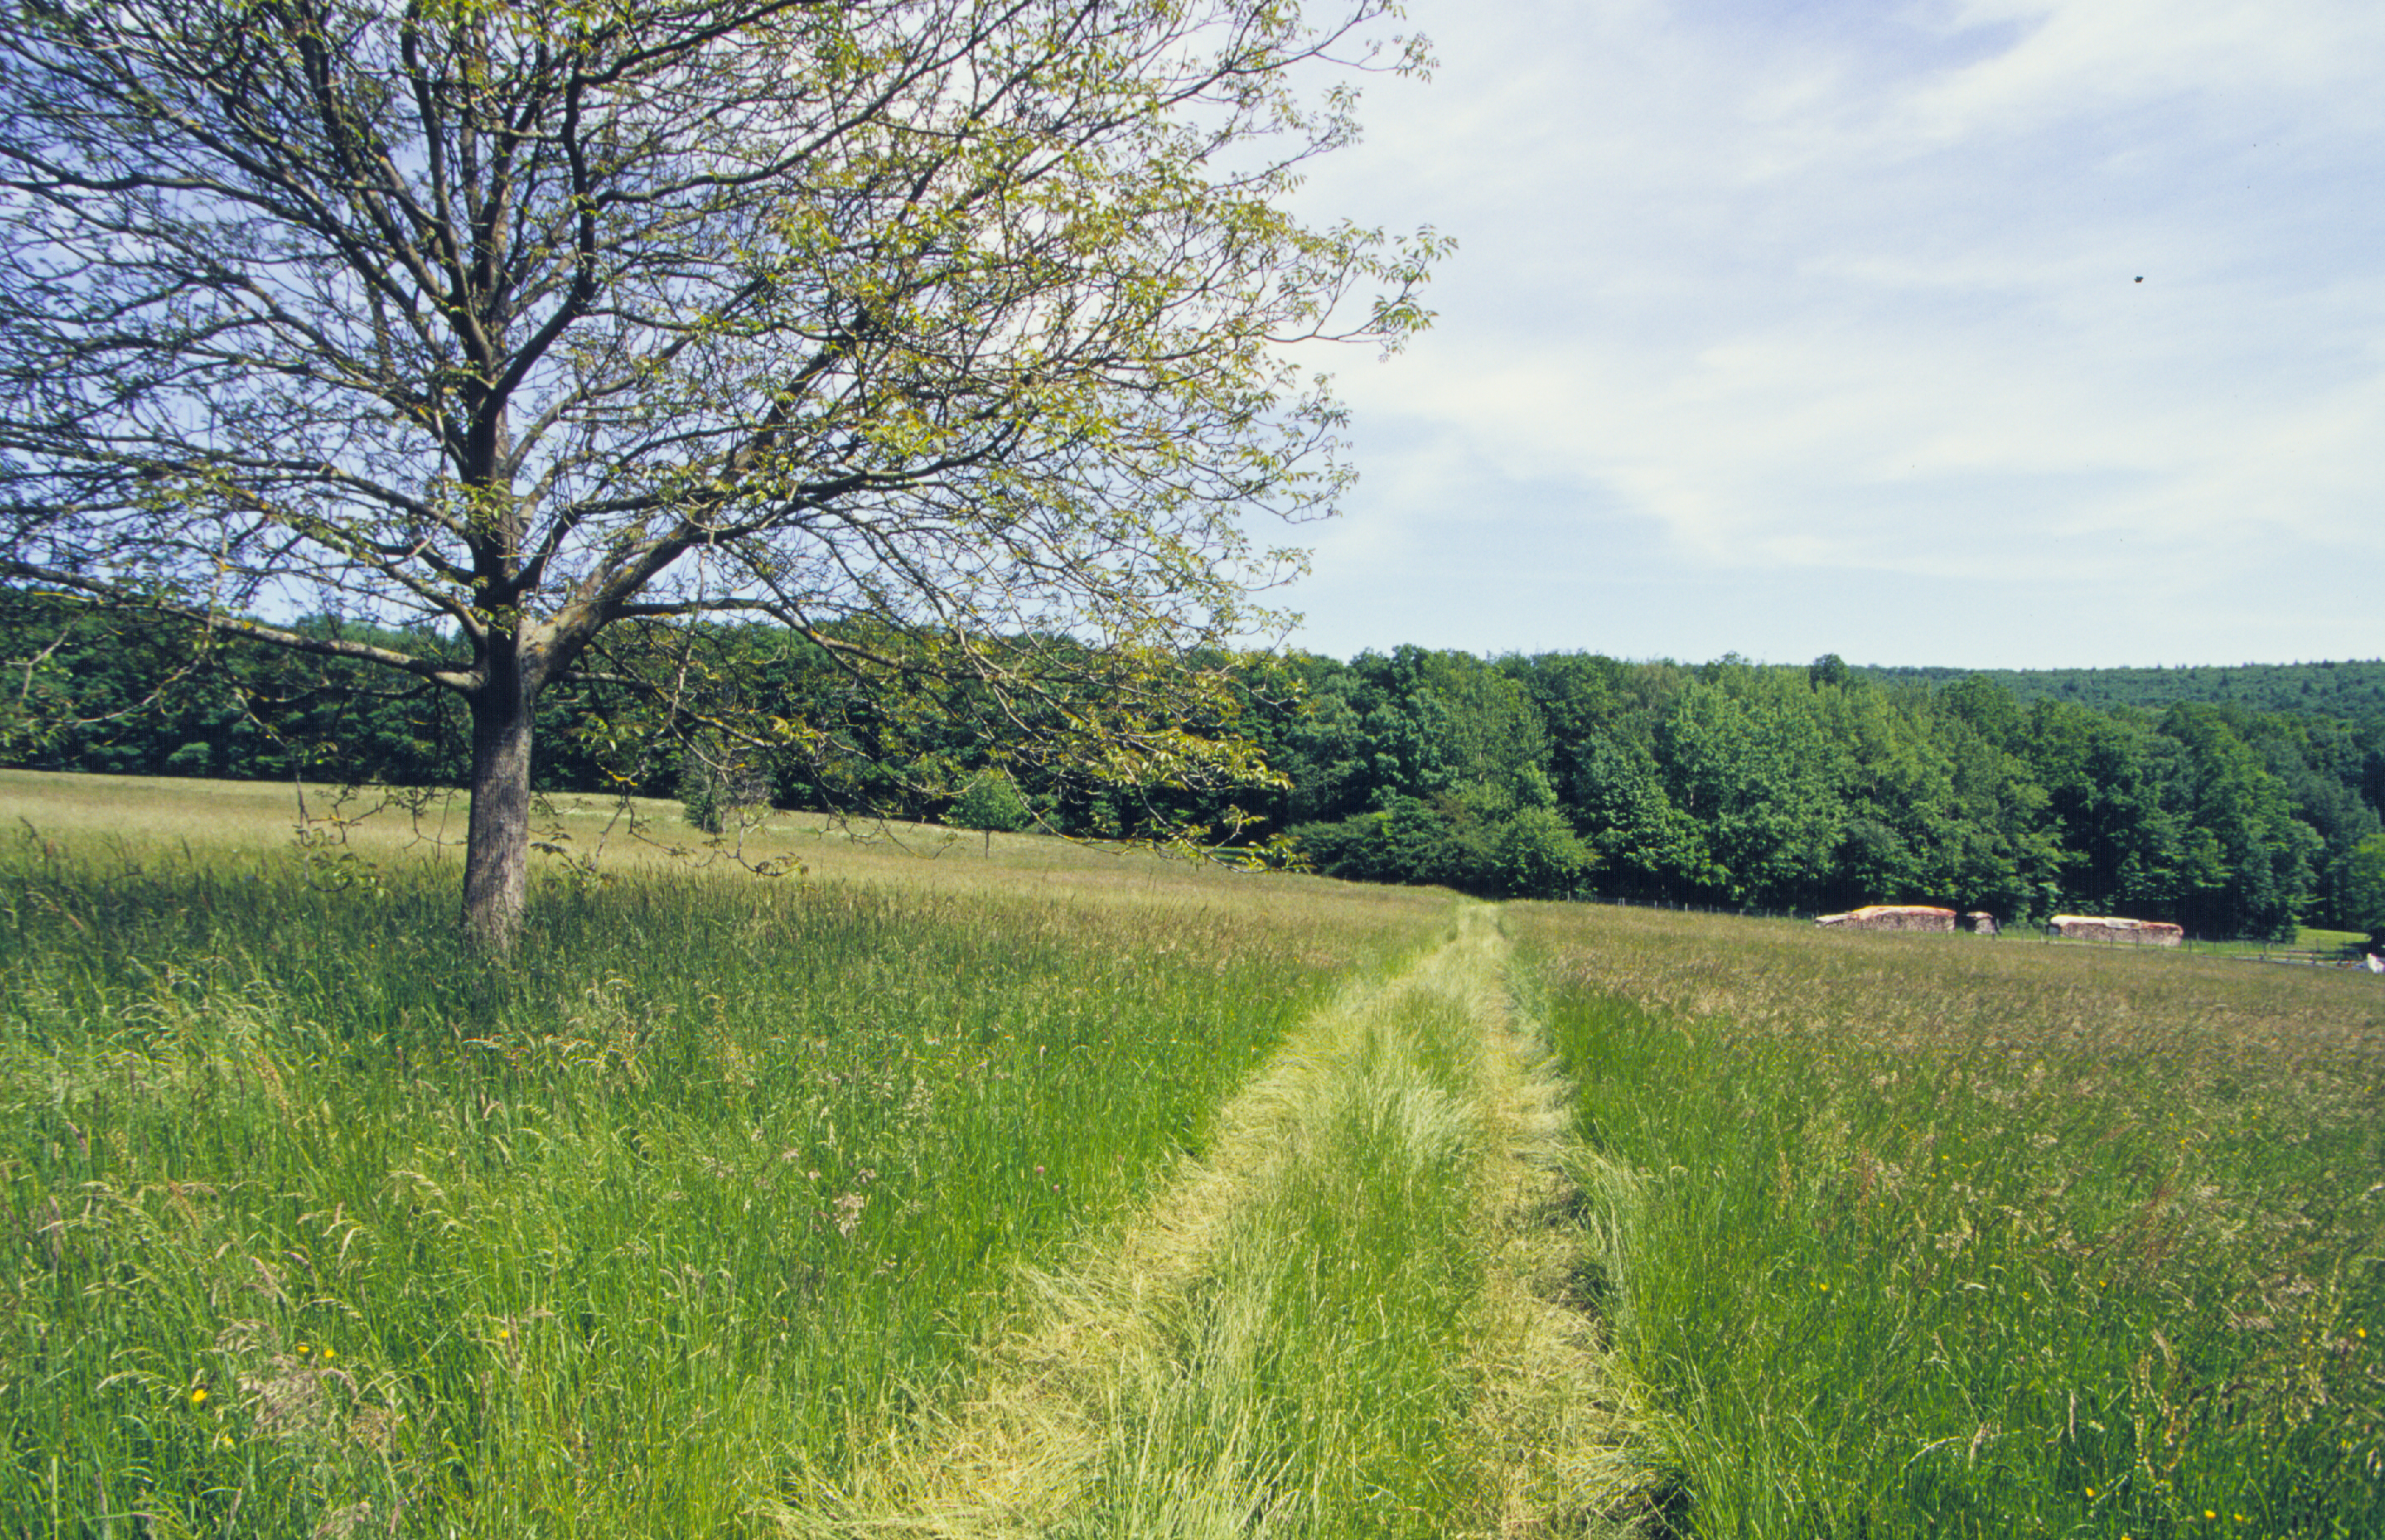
(496, 852)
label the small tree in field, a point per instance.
(991, 801)
(715, 794)
(925, 328)
(1536, 854)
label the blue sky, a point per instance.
(1785, 330)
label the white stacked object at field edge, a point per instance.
(1892, 916)
(2111, 927)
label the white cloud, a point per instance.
(1831, 293)
(2081, 59)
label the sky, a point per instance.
(1985, 333)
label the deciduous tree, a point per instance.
(967, 316)
(991, 802)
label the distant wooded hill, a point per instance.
(2235, 801)
(2353, 690)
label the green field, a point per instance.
(1957, 1237)
(1018, 1188)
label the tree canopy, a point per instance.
(956, 338)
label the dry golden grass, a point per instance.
(644, 834)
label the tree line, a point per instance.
(1811, 789)
(1730, 784)
(2353, 688)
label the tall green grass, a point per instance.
(1971, 1238)
(315, 1225)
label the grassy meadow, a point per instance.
(315, 1226)
(1946, 1235)
(960, 1188)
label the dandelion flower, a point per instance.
(1826, 1288)
(199, 1395)
(2091, 1491)
(2209, 1514)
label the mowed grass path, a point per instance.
(1357, 1315)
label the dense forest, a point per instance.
(2163, 794)
(2353, 690)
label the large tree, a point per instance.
(956, 321)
